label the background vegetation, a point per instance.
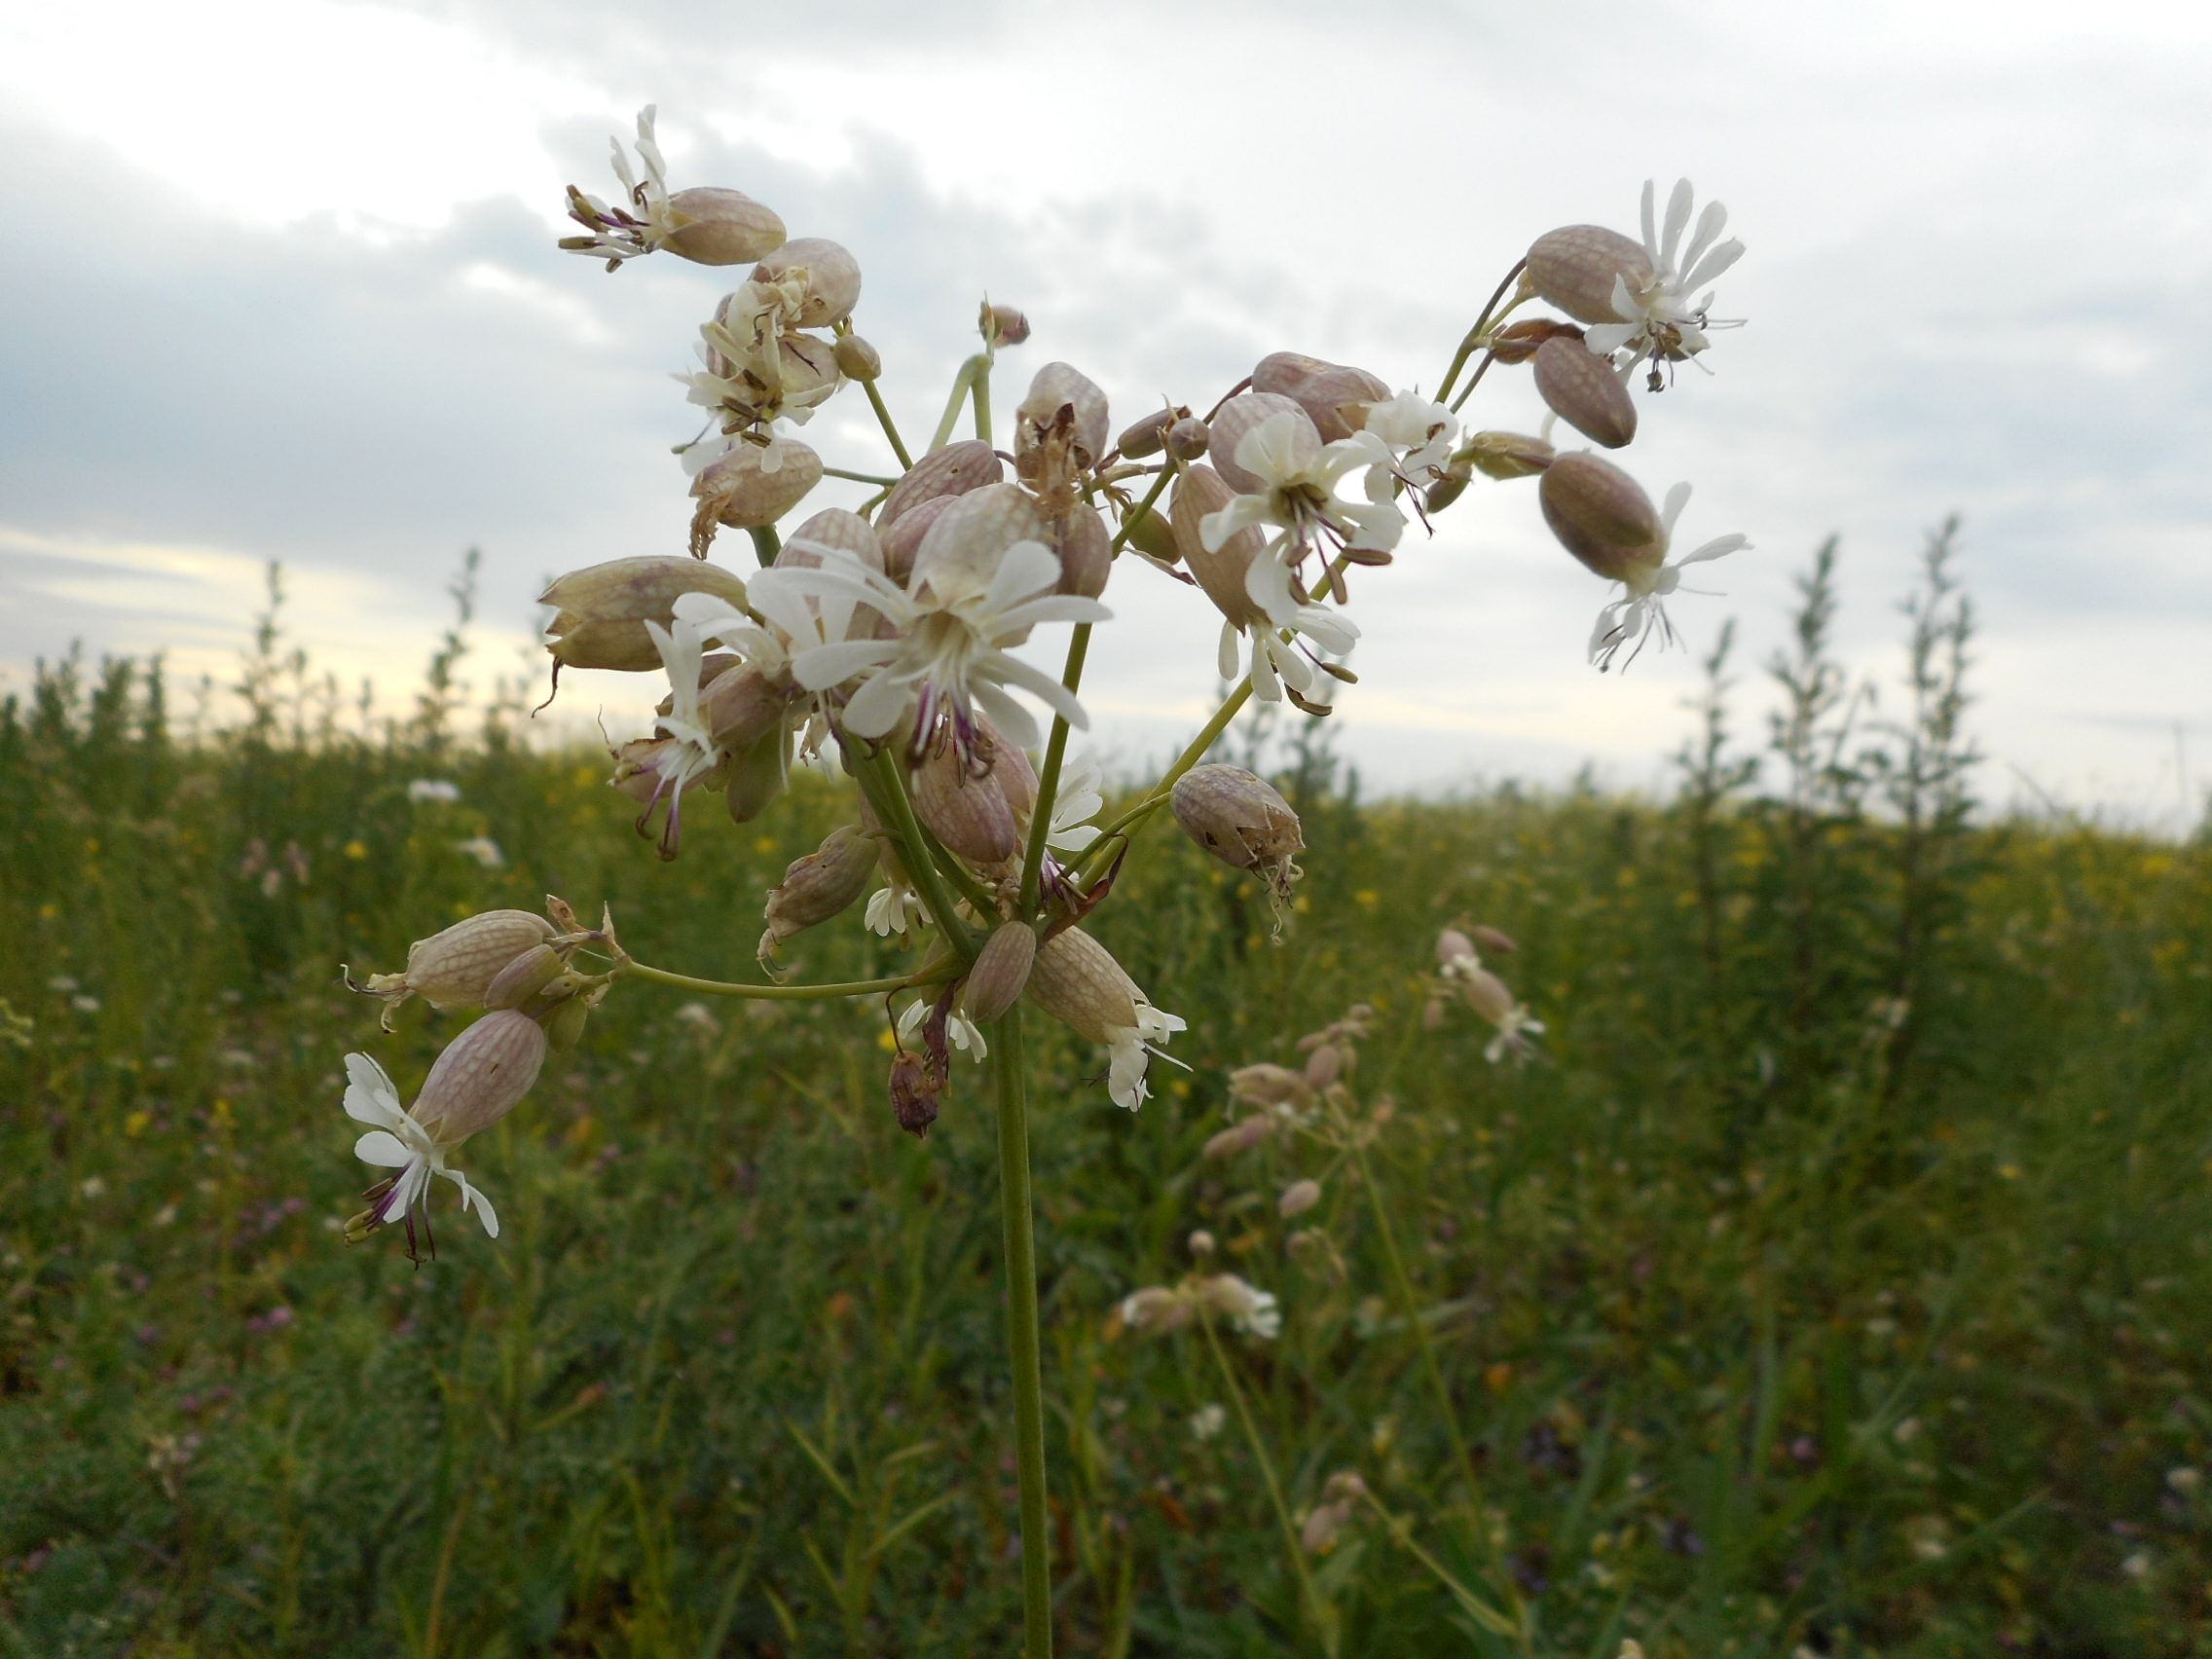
(1833, 1283)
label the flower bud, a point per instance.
(1239, 416)
(953, 470)
(481, 1077)
(1002, 325)
(1001, 971)
(1491, 939)
(1583, 391)
(1601, 515)
(1239, 817)
(1297, 1198)
(1076, 981)
(521, 980)
(1150, 434)
(734, 491)
(1505, 455)
(1239, 1137)
(1574, 267)
(1453, 947)
(720, 226)
(831, 273)
(1150, 534)
(969, 815)
(1334, 398)
(1442, 493)
(565, 1024)
(913, 1094)
(757, 775)
(601, 610)
(819, 886)
(1201, 1243)
(857, 360)
(1062, 398)
(1221, 572)
(1086, 551)
(1519, 342)
(1488, 995)
(455, 967)
(1188, 439)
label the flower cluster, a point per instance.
(1459, 972)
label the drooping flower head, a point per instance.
(682, 750)
(1659, 317)
(706, 224)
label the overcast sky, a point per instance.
(281, 284)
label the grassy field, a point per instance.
(1832, 1282)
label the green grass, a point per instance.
(1835, 1280)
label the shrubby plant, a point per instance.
(888, 638)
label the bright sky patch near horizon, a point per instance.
(281, 287)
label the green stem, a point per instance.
(858, 477)
(1291, 1540)
(766, 544)
(1015, 1209)
(1487, 1616)
(981, 394)
(1129, 519)
(883, 415)
(1409, 1306)
(774, 994)
(891, 785)
(1208, 734)
(1475, 334)
(961, 382)
(1049, 784)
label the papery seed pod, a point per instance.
(1076, 981)
(742, 706)
(1010, 769)
(456, 967)
(1506, 455)
(1266, 1084)
(1334, 396)
(1150, 434)
(1002, 325)
(1055, 388)
(904, 539)
(734, 491)
(969, 815)
(913, 1094)
(970, 537)
(1240, 818)
(1241, 1138)
(1519, 341)
(1601, 515)
(481, 1077)
(819, 886)
(1577, 266)
(521, 980)
(1200, 1243)
(1433, 1015)
(953, 471)
(832, 526)
(1238, 417)
(757, 775)
(716, 226)
(1220, 574)
(1150, 534)
(601, 611)
(1324, 1065)
(1188, 439)
(1453, 947)
(1583, 391)
(1001, 971)
(1297, 1198)
(858, 360)
(1086, 552)
(1155, 1308)
(833, 278)
(1491, 939)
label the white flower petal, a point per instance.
(820, 667)
(875, 708)
(382, 1149)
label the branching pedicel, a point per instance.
(889, 637)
